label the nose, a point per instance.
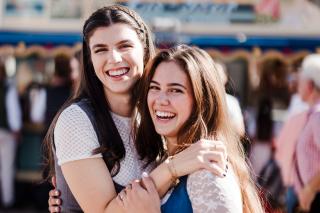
(114, 56)
(162, 99)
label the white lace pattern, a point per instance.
(209, 193)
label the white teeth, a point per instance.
(117, 72)
(162, 114)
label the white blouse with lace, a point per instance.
(75, 139)
(209, 193)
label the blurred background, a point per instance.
(259, 43)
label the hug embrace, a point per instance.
(145, 132)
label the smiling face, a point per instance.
(170, 99)
(117, 57)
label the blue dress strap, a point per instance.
(178, 201)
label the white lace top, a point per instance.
(75, 139)
(209, 193)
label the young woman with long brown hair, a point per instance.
(182, 100)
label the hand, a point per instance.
(140, 196)
(204, 154)
(54, 200)
(306, 196)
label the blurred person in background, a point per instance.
(234, 109)
(273, 84)
(75, 64)
(10, 125)
(285, 144)
(48, 100)
(296, 104)
(306, 170)
(263, 161)
(60, 87)
(286, 140)
(260, 150)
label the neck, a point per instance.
(120, 104)
(171, 145)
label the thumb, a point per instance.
(54, 181)
(148, 183)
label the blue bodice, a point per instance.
(178, 201)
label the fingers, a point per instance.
(127, 195)
(148, 183)
(54, 201)
(54, 193)
(216, 158)
(215, 169)
(53, 181)
(214, 145)
(122, 195)
(54, 209)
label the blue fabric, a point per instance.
(291, 200)
(178, 201)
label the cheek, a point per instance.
(95, 63)
(149, 102)
(138, 58)
(187, 105)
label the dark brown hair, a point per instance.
(92, 89)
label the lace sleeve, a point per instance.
(209, 193)
(74, 136)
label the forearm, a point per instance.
(113, 207)
(162, 178)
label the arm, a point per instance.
(308, 192)
(86, 175)
(91, 184)
(310, 189)
(96, 181)
(205, 154)
(209, 193)
(89, 178)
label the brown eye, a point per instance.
(124, 46)
(176, 91)
(152, 87)
(100, 50)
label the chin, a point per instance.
(162, 132)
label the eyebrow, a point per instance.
(104, 45)
(98, 45)
(170, 84)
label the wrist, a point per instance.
(172, 170)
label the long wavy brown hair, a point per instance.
(209, 117)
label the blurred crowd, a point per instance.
(281, 122)
(28, 104)
(285, 152)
